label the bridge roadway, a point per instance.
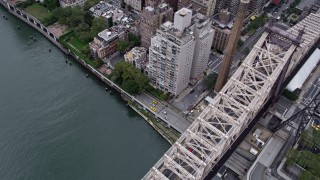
(207, 139)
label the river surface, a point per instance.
(57, 124)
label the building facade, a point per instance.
(152, 17)
(71, 3)
(137, 5)
(180, 51)
(105, 44)
(171, 54)
(222, 24)
(203, 34)
(255, 6)
(138, 57)
(205, 7)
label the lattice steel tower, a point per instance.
(232, 44)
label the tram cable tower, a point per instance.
(309, 113)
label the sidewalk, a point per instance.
(187, 91)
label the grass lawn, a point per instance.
(37, 11)
(75, 42)
(69, 41)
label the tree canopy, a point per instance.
(305, 157)
(80, 21)
(51, 4)
(89, 3)
(129, 78)
(210, 80)
(134, 39)
(122, 45)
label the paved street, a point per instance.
(168, 115)
(191, 98)
(116, 59)
(258, 172)
(216, 61)
(194, 94)
(312, 91)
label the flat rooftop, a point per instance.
(107, 35)
(305, 3)
(184, 36)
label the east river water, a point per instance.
(56, 124)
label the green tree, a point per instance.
(88, 18)
(61, 13)
(82, 31)
(292, 96)
(77, 17)
(164, 96)
(89, 3)
(306, 175)
(292, 157)
(130, 86)
(98, 24)
(247, 50)
(51, 4)
(122, 45)
(49, 20)
(134, 39)
(130, 78)
(210, 80)
(110, 22)
(24, 4)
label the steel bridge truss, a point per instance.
(219, 125)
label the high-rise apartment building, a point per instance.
(171, 54)
(152, 17)
(232, 6)
(205, 7)
(256, 6)
(180, 51)
(203, 34)
(222, 23)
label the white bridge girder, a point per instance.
(206, 140)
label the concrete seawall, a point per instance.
(36, 24)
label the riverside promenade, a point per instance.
(170, 124)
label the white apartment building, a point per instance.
(203, 34)
(171, 54)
